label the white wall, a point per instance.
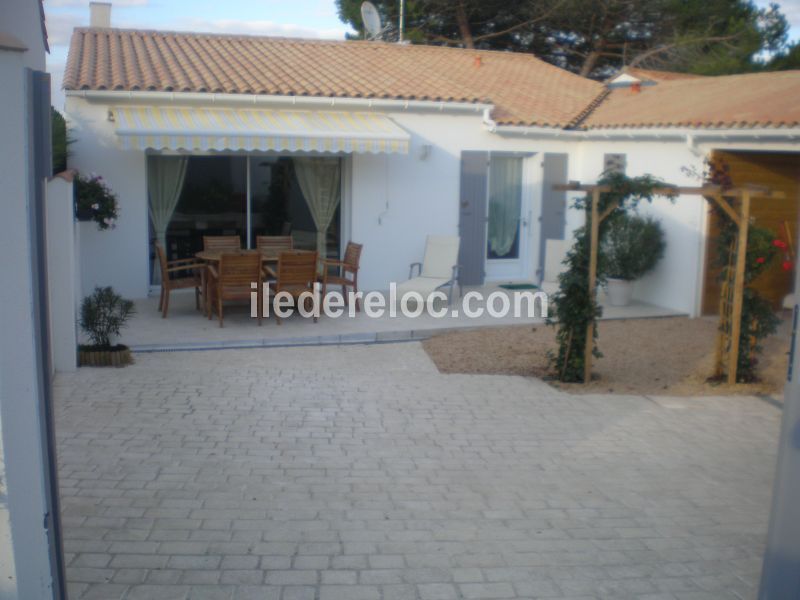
(423, 195)
(118, 257)
(674, 281)
(394, 201)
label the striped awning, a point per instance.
(199, 129)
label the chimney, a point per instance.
(100, 14)
(636, 87)
(477, 62)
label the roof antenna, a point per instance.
(372, 21)
(402, 19)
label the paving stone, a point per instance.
(362, 472)
(437, 591)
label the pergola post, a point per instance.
(593, 250)
(738, 286)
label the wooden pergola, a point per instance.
(741, 217)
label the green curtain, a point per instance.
(319, 180)
(165, 175)
(505, 202)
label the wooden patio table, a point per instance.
(269, 257)
(212, 257)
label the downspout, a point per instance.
(700, 280)
(490, 125)
(691, 143)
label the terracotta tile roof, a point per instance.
(752, 100)
(524, 89)
(653, 75)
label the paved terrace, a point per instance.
(185, 328)
(361, 473)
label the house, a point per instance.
(31, 557)
(406, 141)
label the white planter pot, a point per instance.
(619, 291)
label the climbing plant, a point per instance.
(759, 320)
(575, 305)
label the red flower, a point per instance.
(760, 260)
(779, 244)
(787, 265)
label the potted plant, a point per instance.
(631, 247)
(94, 201)
(103, 315)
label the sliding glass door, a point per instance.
(238, 195)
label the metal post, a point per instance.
(402, 19)
(249, 204)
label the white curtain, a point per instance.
(319, 180)
(165, 175)
(505, 202)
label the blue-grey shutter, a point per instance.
(554, 203)
(472, 216)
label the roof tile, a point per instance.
(737, 101)
(524, 89)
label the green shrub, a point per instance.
(104, 314)
(60, 141)
(631, 246)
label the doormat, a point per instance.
(519, 286)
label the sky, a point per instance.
(294, 18)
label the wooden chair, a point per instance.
(231, 281)
(296, 273)
(188, 267)
(347, 266)
(222, 242)
(274, 243)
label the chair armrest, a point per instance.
(330, 262)
(183, 268)
(411, 269)
(178, 261)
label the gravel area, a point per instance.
(665, 356)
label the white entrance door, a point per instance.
(508, 219)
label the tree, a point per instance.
(596, 37)
(60, 141)
(788, 59)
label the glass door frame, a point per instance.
(515, 269)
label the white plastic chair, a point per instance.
(438, 269)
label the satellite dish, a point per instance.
(371, 18)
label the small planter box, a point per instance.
(116, 356)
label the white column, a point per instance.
(62, 275)
(780, 577)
